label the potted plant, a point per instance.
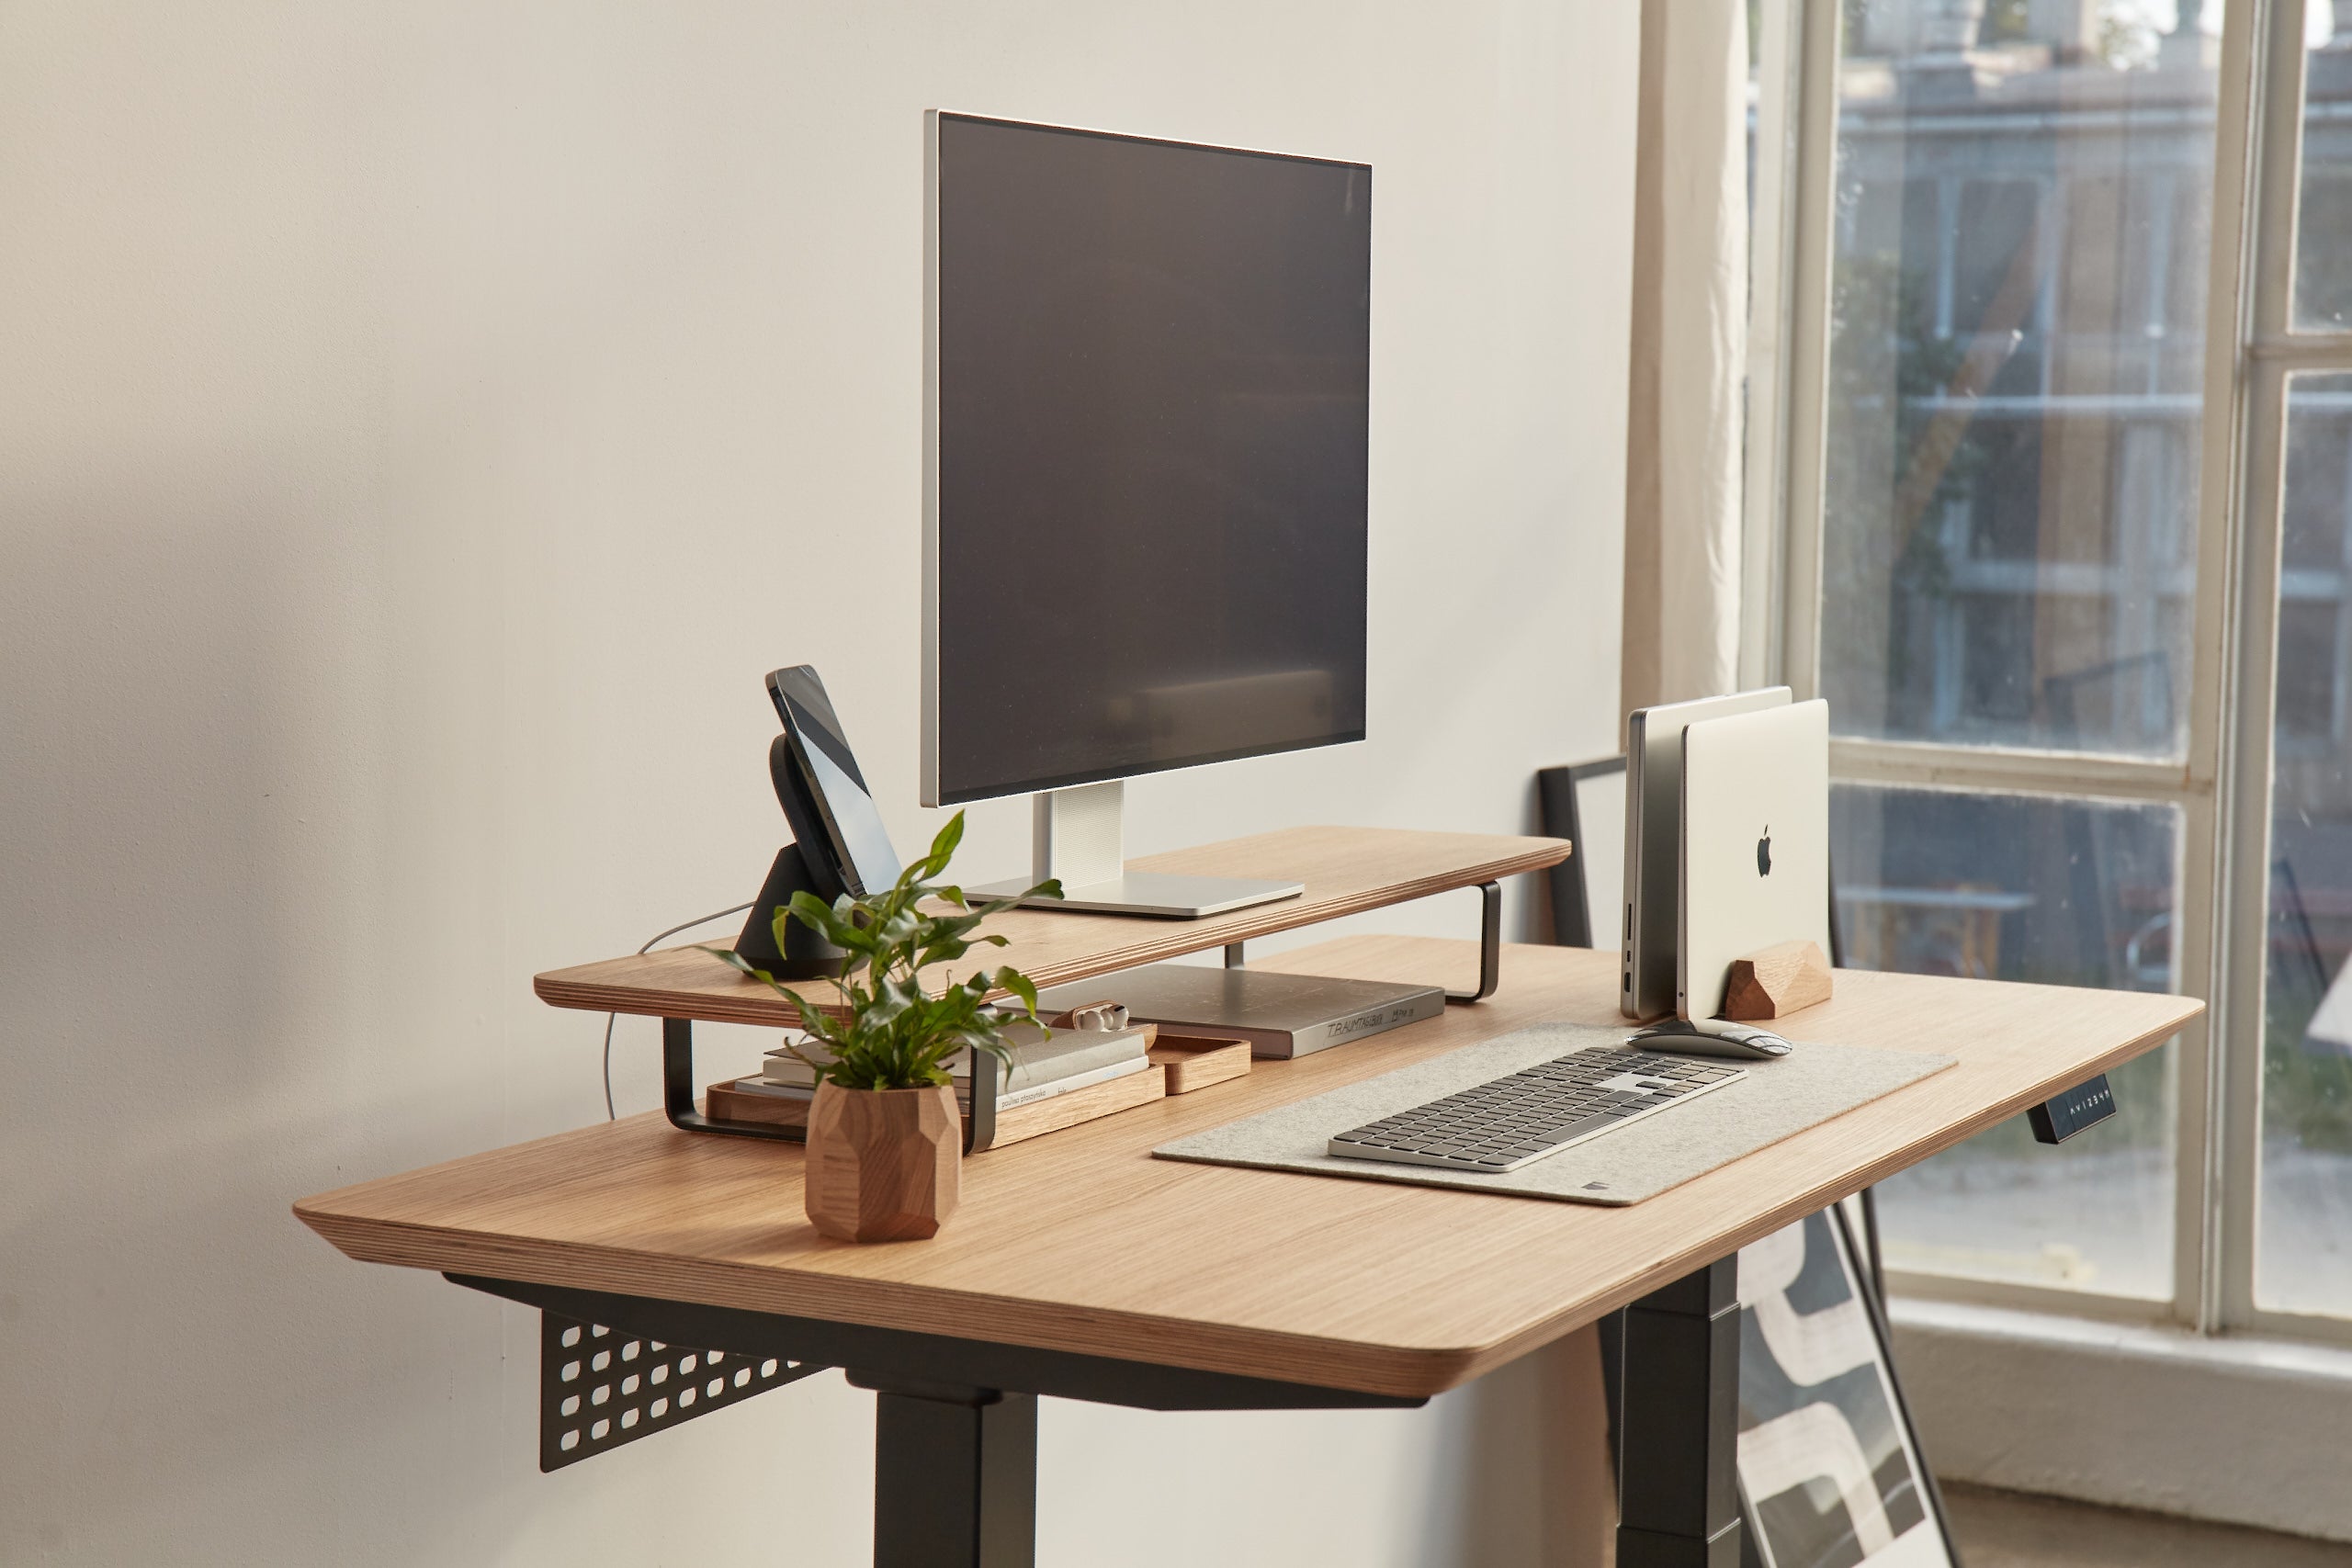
(885, 1137)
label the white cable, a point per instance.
(611, 1017)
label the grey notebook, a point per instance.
(1777, 1098)
(1280, 1015)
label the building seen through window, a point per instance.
(2009, 546)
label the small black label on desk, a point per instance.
(2082, 1106)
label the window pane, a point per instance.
(2304, 1229)
(2323, 237)
(2015, 355)
(2059, 892)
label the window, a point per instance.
(2061, 514)
(2039, 887)
(2303, 1206)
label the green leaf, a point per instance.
(737, 961)
(809, 912)
(942, 847)
(1013, 980)
(1049, 888)
(888, 1033)
(815, 1066)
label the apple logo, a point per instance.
(1764, 853)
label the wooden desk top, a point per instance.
(1346, 870)
(1082, 1242)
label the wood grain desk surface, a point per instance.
(1346, 870)
(1082, 1242)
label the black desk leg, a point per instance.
(955, 1476)
(1677, 1481)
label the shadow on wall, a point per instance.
(193, 1039)
(1528, 1446)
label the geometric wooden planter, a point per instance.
(883, 1165)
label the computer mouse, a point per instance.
(1711, 1037)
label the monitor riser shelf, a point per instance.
(1344, 871)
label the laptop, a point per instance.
(1755, 842)
(1653, 863)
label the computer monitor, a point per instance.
(1147, 426)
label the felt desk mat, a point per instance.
(1777, 1098)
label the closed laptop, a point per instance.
(1652, 918)
(1755, 842)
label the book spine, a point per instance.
(763, 1087)
(1012, 1098)
(1086, 1053)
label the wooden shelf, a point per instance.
(1346, 870)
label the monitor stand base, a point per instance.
(1152, 893)
(1079, 838)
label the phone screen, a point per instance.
(860, 842)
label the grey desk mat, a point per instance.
(1776, 1100)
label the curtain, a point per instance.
(1690, 350)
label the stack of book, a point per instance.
(1054, 1079)
(1042, 1065)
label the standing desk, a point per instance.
(1081, 1268)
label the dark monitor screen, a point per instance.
(1152, 371)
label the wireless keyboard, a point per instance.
(1521, 1117)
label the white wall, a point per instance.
(421, 424)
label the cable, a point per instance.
(611, 1017)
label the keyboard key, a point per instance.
(1579, 1128)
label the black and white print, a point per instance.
(1826, 1465)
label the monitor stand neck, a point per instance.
(1077, 835)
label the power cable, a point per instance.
(611, 1017)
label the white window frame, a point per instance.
(2222, 786)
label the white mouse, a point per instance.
(1711, 1037)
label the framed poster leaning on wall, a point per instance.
(1830, 1469)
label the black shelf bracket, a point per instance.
(678, 1096)
(1490, 946)
(678, 1090)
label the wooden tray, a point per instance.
(1196, 1061)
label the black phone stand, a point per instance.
(806, 955)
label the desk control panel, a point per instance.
(2085, 1105)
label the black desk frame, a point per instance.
(955, 1435)
(956, 1429)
